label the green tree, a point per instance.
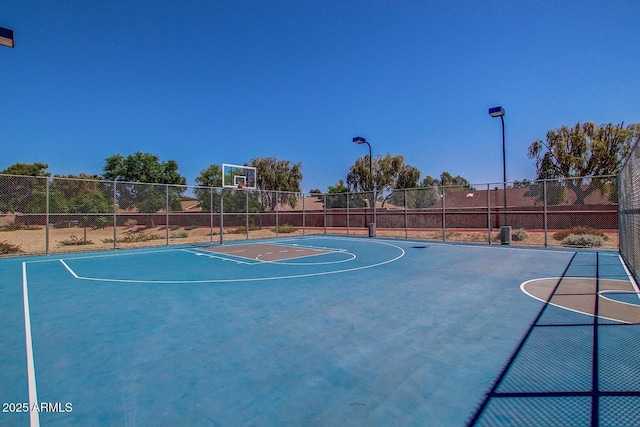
(38, 201)
(453, 183)
(142, 167)
(431, 188)
(146, 168)
(84, 194)
(277, 175)
(209, 179)
(91, 204)
(72, 185)
(27, 169)
(422, 197)
(338, 188)
(24, 188)
(389, 173)
(448, 181)
(522, 184)
(338, 196)
(583, 151)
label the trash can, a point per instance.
(372, 229)
(505, 235)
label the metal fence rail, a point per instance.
(43, 215)
(629, 209)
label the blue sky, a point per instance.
(204, 82)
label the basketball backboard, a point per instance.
(6, 37)
(236, 176)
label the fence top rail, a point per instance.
(469, 187)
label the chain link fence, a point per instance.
(629, 209)
(43, 215)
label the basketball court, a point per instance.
(320, 330)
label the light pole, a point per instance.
(6, 37)
(372, 225)
(505, 230)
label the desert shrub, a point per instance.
(519, 235)
(75, 241)
(171, 227)
(10, 226)
(15, 226)
(191, 227)
(130, 223)
(9, 248)
(180, 235)
(135, 237)
(243, 229)
(583, 240)
(284, 228)
(578, 230)
(141, 237)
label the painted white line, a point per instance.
(631, 278)
(130, 252)
(256, 279)
(210, 255)
(286, 261)
(603, 295)
(321, 248)
(524, 290)
(73, 273)
(34, 414)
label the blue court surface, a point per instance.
(319, 331)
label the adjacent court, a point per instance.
(318, 331)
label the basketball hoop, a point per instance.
(238, 177)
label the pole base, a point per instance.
(505, 235)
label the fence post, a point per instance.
(303, 214)
(246, 209)
(211, 215)
(277, 217)
(374, 196)
(115, 214)
(166, 221)
(348, 229)
(444, 220)
(46, 227)
(489, 211)
(324, 212)
(221, 215)
(406, 216)
(544, 202)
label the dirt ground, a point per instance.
(77, 239)
(74, 239)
